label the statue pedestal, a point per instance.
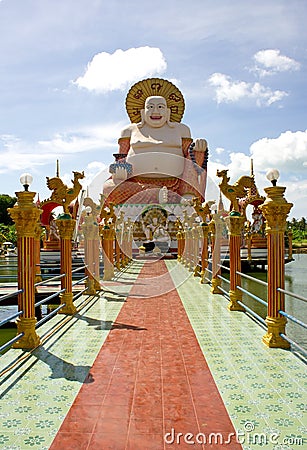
(52, 245)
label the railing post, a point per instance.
(235, 223)
(118, 251)
(66, 226)
(108, 235)
(185, 253)
(275, 210)
(195, 252)
(26, 217)
(204, 229)
(216, 234)
(180, 240)
(37, 252)
(127, 242)
(130, 239)
(91, 253)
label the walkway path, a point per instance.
(150, 379)
(132, 368)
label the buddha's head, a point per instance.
(155, 112)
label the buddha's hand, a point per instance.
(200, 145)
(120, 174)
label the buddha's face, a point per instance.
(155, 111)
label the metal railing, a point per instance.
(45, 300)
(9, 318)
(261, 301)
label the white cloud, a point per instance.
(83, 140)
(230, 91)
(19, 155)
(269, 62)
(109, 72)
(219, 150)
(288, 152)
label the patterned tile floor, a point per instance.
(264, 390)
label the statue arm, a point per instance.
(124, 145)
(186, 142)
(200, 152)
(124, 140)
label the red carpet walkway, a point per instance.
(152, 388)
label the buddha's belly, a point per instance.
(156, 164)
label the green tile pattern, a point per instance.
(264, 390)
(38, 392)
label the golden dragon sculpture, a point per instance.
(236, 191)
(63, 194)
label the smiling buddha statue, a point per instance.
(156, 150)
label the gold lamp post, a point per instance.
(275, 210)
(26, 217)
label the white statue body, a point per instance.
(157, 148)
(156, 143)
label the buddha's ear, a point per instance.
(168, 114)
(168, 117)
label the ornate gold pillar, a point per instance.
(129, 239)
(26, 216)
(108, 235)
(235, 225)
(66, 226)
(91, 253)
(248, 237)
(180, 240)
(179, 236)
(204, 229)
(37, 252)
(185, 250)
(121, 242)
(275, 210)
(195, 251)
(216, 234)
(118, 252)
(127, 242)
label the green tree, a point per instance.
(8, 233)
(302, 224)
(6, 201)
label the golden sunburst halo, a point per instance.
(138, 93)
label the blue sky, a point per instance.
(67, 65)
